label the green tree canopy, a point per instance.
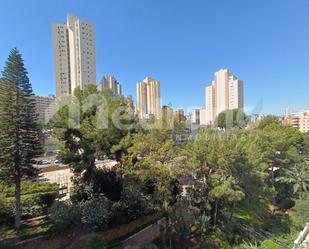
(89, 126)
(232, 118)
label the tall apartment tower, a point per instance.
(45, 107)
(75, 55)
(195, 116)
(224, 93)
(148, 98)
(110, 82)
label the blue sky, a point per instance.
(179, 42)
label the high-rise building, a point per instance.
(167, 113)
(45, 107)
(110, 82)
(203, 116)
(148, 98)
(75, 55)
(224, 93)
(299, 120)
(195, 116)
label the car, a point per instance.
(46, 161)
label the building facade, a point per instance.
(203, 116)
(167, 115)
(195, 116)
(74, 54)
(61, 175)
(110, 82)
(180, 115)
(224, 93)
(148, 99)
(45, 107)
(299, 120)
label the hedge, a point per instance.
(33, 203)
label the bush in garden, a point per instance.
(33, 204)
(7, 245)
(64, 215)
(95, 242)
(118, 213)
(134, 202)
(47, 199)
(108, 183)
(268, 244)
(181, 219)
(35, 199)
(28, 188)
(6, 210)
(96, 213)
(29, 211)
(82, 192)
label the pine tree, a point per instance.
(19, 132)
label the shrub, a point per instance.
(248, 245)
(35, 199)
(134, 203)
(32, 204)
(29, 210)
(118, 213)
(107, 183)
(82, 192)
(95, 242)
(268, 244)
(64, 216)
(47, 199)
(6, 210)
(97, 213)
(28, 188)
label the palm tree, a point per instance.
(298, 176)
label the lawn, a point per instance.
(30, 228)
(25, 232)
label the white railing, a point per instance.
(300, 241)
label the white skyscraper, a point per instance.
(148, 98)
(195, 116)
(110, 82)
(75, 56)
(225, 93)
(210, 104)
(203, 116)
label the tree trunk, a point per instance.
(90, 171)
(17, 203)
(232, 211)
(216, 212)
